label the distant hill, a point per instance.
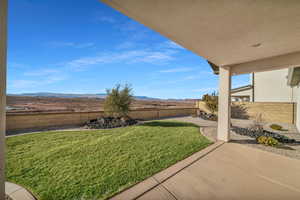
(65, 95)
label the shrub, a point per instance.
(258, 123)
(211, 102)
(118, 101)
(269, 141)
(277, 127)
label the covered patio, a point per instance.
(223, 171)
(237, 37)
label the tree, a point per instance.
(118, 101)
(211, 102)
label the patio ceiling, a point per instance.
(228, 32)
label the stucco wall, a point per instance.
(20, 121)
(271, 86)
(239, 96)
(270, 111)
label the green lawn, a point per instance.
(96, 164)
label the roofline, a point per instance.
(242, 88)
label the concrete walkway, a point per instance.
(227, 171)
(16, 192)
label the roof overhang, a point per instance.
(241, 89)
(227, 33)
(214, 67)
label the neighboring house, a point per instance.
(270, 86)
(243, 93)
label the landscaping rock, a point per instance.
(207, 116)
(109, 122)
(255, 133)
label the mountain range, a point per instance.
(66, 95)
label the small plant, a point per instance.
(211, 102)
(268, 141)
(118, 101)
(277, 127)
(258, 123)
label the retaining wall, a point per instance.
(280, 112)
(39, 120)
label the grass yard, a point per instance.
(96, 164)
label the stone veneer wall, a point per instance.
(280, 112)
(39, 120)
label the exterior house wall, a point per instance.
(244, 93)
(272, 86)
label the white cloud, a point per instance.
(175, 70)
(134, 33)
(22, 84)
(14, 65)
(84, 45)
(54, 79)
(131, 26)
(106, 19)
(70, 44)
(198, 75)
(26, 84)
(154, 57)
(172, 45)
(42, 80)
(42, 72)
(205, 90)
(126, 45)
(192, 77)
(134, 56)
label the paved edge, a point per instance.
(141, 188)
(211, 138)
(17, 192)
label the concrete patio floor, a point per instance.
(223, 171)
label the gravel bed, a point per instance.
(257, 133)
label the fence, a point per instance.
(39, 120)
(270, 111)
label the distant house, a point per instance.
(270, 86)
(243, 93)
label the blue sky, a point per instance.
(84, 46)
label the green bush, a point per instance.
(277, 127)
(269, 141)
(118, 101)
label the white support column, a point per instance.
(224, 113)
(3, 53)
